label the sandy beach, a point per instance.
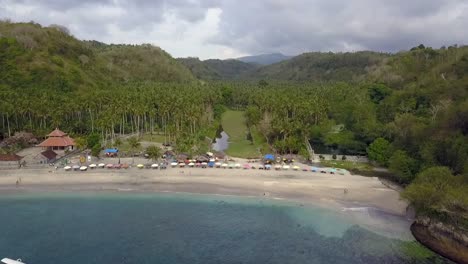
(293, 185)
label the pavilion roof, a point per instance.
(63, 141)
(57, 133)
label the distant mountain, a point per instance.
(264, 59)
(217, 69)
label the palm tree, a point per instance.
(134, 145)
(154, 152)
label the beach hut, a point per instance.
(304, 169)
(191, 164)
(202, 158)
(278, 167)
(76, 167)
(204, 164)
(140, 166)
(110, 166)
(268, 167)
(224, 165)
(67, 168)
(173, 164)
(83, 168)
(181, 164)
(162, 166)
(125, 166)
(92, 166)
(332, 170)
(117, 166)
(323, 170)
(154, 166)
(313, 169)
(231, 165)
(182, 157)
(269, 158)
(101, 165)
(237, 166)
(296, 168)
(246, 166)
(111, 152)
(286, 167)
(218, 164)
(211, 164)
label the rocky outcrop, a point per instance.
(447, 240)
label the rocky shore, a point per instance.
(447, 240)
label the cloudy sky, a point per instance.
(232, 28)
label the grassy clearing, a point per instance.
(233, 123)
(153, 138)
(348, 165)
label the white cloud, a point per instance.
(230, 28)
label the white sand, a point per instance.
(294, 185)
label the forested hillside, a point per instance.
(217, 69)
(315, 66)
(34, 57)
(318, 66)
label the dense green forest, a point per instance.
(407, 111)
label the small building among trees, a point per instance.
(58, 140)
(48, 156)
(10, 160)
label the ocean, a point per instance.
(183, 228)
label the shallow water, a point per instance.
(182, 228)
(221, 143)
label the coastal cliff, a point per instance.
(445, 239)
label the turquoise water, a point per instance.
(177, 228)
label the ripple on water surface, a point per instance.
(181, 228)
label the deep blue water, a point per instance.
(176, 228)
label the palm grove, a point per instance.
(408, 111)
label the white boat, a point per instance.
(92, 166)
(12, 261)
(83, 168)
(154, 166)
(67, 168)
(101, 165)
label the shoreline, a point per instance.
(298, 186)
